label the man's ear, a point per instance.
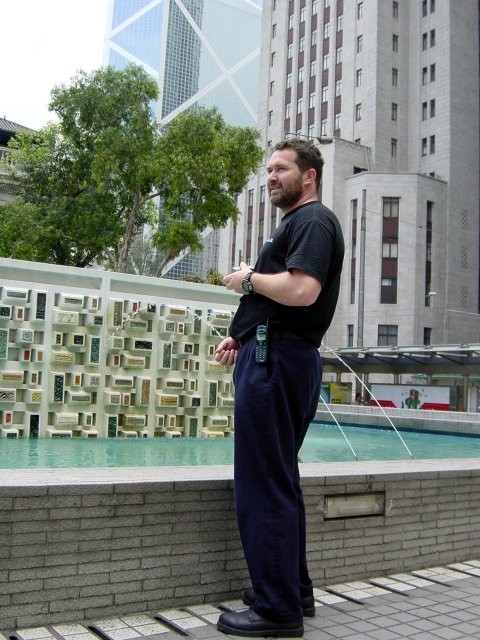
(311, 176)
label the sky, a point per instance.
(44, 43)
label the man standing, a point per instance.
(290, 295)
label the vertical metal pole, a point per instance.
(361, 270)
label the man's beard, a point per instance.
(287, 196)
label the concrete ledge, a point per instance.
(79, 544)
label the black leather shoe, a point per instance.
(250, 624)
(308, 603)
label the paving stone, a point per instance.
(448, 609)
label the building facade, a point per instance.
(200, 52)
(390, 91)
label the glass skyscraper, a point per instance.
(200, 52)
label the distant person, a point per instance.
(288, 304)
(359, 399)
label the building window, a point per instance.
(432, 144)
(290, 51)
(395, 42)
(432, 73)
(272, 59)
(358, 112)
(314, 7)
(388, 291)
(424, 76)
(395, 9)
(313, 39)
(359, 10)
(325, 62)
(324, 94)
(289, 80)
(393, 147)
(311, 100)
(270, 117)
(387, 335)
(299, 105)
(359, 43)
(300, 74)
(290, 21)
(250, 197)
(394, 77)
(301, 44)
(302, 14)
(311, 130)
(389, 249)
(427, 336)
(424, 41)
(274, 30)
(326, 3)
(340, 22)
(390, 207)
(424, 146)
(432, 6)
(272, 87)
(288, 109)
(424, 110)
(262, 193)
(428, 252)
(323, 127)
(394, 111)
(424, 8)
(338, 55)
(338, 88)
(349, 335)
(432, 108)
(432, 38)
(337, 122)
(358, 78)
(313, 68)
(326, 30)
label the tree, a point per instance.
(88, 184)
(88, 178)
(204, 165)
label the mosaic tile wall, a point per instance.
(79, 357)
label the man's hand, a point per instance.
(234, 280)
(227, 351)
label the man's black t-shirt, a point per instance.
(309, 238)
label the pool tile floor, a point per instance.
(439, 603)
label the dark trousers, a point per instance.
(274, 404)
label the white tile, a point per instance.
(152, 629)
(34, 633)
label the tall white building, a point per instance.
(391, 92)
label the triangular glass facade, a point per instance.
(201, 51)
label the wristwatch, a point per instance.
(247, 286)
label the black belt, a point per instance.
(276, 334)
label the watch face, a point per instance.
(247, 286)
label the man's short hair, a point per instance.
(308, 155)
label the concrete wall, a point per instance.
(80, 545)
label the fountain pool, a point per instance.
(324, 443)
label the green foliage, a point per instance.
(204, 165)
(87, 185)
(214, 277)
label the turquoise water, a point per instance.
(324, 443)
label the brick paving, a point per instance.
(439, 603)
